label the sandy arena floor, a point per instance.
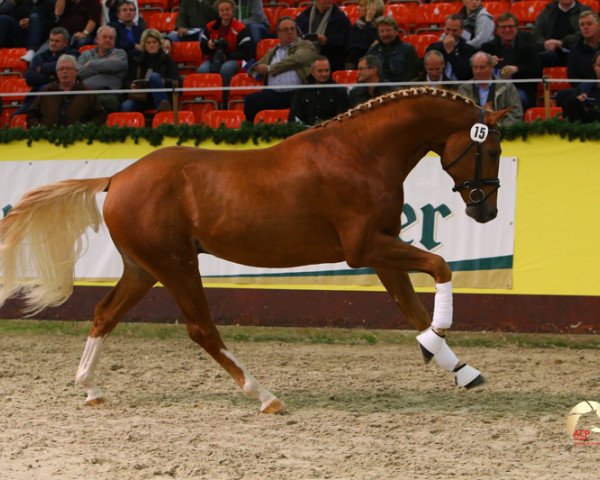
(354, 412)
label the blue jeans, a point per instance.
(228, 69)
(186, 38)
(257, 32)
(154, 81)
(31, 38)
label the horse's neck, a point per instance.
(402, 136)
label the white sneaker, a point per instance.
(28, 57)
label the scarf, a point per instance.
(469, 19)
(320, 30)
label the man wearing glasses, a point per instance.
(52, 110)
(515, 56)
(282, 68)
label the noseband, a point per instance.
(476, 195)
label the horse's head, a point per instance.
(472, 159)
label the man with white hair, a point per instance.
(500, 95)
(53, 110)
(104, 67)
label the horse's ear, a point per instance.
(492, 118)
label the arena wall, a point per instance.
(554, 277)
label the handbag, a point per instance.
(141, 97)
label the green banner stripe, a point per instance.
(494, 263)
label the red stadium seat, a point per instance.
(126, 119)
(264, 46)
(401, 13)
(496, 8)
(272, 116)
(11, 63)
(351, 12)
(345, 76)
(535, 113)
(430, 17)
(527, 11)
(169, 117)
(202, 101)
(421, 41)
(153, 5)
(236, 97)
(162, 21)
(227, 118)
(12, 103)
(187, 55)
(19, 121)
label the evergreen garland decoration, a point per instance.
(90, 133)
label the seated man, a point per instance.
(128, 32)
(27, 26)
(225, 43)
(314, 105)
(53, 110)
(515, 56)
(399, 60)
(584, 105)
(579, 61)
(42, 69)
(501, 95)
(192, 17)
(434, 65)
(104, 67)
(81, 18)
(556, 29)
(455, 50)
(330, 28)
(282, 67)
(369, 71)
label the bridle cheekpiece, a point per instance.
(479, 133)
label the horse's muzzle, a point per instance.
(482, 213)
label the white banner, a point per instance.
(433, 219)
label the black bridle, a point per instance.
(476, 195)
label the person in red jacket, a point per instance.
(225, 43)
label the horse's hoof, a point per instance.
(273, 406)
(94, 402)
(468, 377)
(478, 381)
(430, 344)
(427, 355)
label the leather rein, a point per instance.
(476, 195)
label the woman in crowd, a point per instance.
(151, 68)
(478, 23)
(363, 33)
(225, 43)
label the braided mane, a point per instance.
(395, 95)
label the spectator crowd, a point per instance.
(106, 45)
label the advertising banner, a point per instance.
(433, 219)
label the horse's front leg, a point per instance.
(391, 259)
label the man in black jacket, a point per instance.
(515, 56)
(556, 29)
(457, 53)
(313, 105)
(579, 63)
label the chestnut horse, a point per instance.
(328, 194)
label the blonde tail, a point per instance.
(40, 241)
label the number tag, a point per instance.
(479, 132)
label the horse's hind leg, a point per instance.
(130, 289)
(433, 345)
(186, 287)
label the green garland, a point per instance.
(90, 133)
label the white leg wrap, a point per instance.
(465, 375)
(252, 388)
(430, 340)
(446, 358)
(87, 367)
(442, 310)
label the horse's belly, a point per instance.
(279, 247)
